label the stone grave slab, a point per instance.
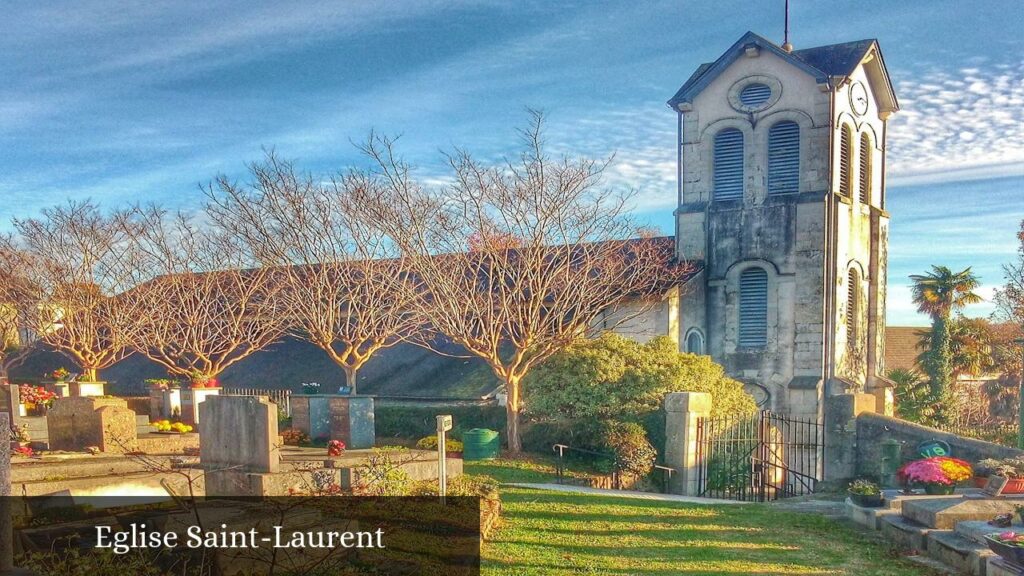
(944, 513)
(999, 567)
(977, 529)
(77, 422)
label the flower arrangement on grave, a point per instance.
(25, 451)
(335, 448)
(1005, 467)
(865, 493)
(171, 427)
(60, 374)
(294, 437)
(36, 398)
(20, 434)
(1009, 545)
(938, 475)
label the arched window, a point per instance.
(845, 150)
(864, 176)
(728, 165)
(784, 158)
(853, 308)
(753, 323)
(695, 342)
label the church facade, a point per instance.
(781, 197)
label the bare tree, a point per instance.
(19, 307)
(77, 259)
(519, 259)
(346, 283)
(206, 307)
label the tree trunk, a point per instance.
(940, 368)
(512, 408)
(89, 375)
(350, 377)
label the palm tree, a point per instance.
(938, 294)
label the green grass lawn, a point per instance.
(544, 532)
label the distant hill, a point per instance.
(402, 370)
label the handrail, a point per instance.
(616, 478)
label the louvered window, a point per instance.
(755, 94)
(728, 168)
(852, 309)
(695, 342)
(784, 158)
(865, 169)
(753, 308)
(845, 149)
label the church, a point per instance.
(781, 197)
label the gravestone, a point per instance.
(78, 422)
(336, 417)
(239, 432)
(10, 401)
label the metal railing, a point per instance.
(283, 398)
(562, 449)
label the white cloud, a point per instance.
(958, 125)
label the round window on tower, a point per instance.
(754, 93)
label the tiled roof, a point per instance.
(822, 62)
(901, 349)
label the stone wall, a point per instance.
(872, 429)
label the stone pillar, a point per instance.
(682, 410)
(12, 402)
(841, 413)
(191, 399)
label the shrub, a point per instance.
(613, 377)
(462, 485)
(381, 474)
(420, 421)
(294, 437)
(430, 443)
(633, 453)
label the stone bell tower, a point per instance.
(781, 185)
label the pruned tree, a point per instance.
(19, 307)
(518, 260)
(77, 259)
(346, 284)
(206, 307)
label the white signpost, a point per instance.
(444, 424)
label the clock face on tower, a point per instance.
(859, 98)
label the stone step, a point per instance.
(905, 534)
(868, 517)
(958, 552)
(944, 513)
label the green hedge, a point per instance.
(416, 422)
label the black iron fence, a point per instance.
(758, 458)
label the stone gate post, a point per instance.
(682, 410)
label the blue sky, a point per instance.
(144, 100)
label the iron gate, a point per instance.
(758, 458)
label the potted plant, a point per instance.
(938, 475)
(1010, 468)
(865, 493)
(335, 448)
(37, 400)
(60, 374)
(1009, 545)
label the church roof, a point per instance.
(827, 64)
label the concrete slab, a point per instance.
(999, 567)
(868, 517)
(962, 554)
(944, 513)
(977, 529)
(905, 534)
